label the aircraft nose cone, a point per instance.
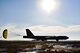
(67, 37)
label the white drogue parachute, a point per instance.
(5, 34)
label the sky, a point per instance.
(59, 18)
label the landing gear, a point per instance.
(57, 40)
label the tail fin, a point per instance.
(29, 33)
(5, 34)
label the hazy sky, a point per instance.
(62, 17)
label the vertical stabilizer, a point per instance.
(5, 34)
(29, 33)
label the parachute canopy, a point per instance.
(5, 34)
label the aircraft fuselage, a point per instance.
(57, 38)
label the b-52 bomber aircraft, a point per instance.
(31, 35)
(43, 38)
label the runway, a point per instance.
(17, 43)
(13, 46)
